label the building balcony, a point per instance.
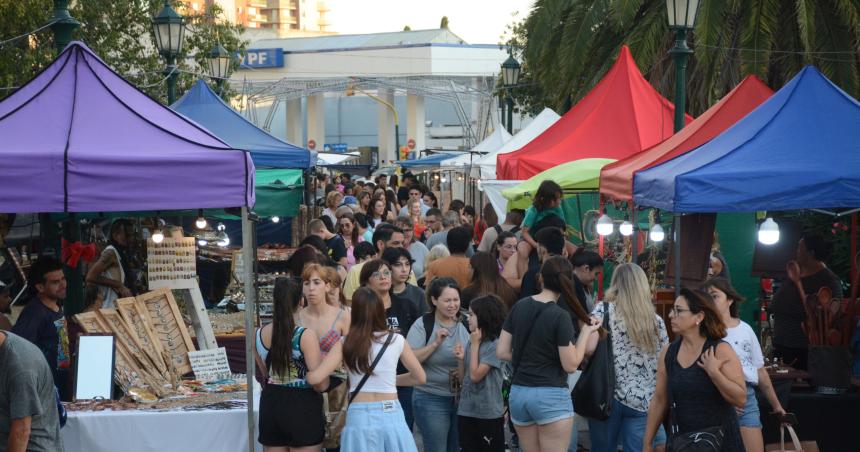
(257, 4)
(322, 7)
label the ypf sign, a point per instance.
(263, 58)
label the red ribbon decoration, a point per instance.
(72, 252)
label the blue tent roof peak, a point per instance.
(205, 107)
(799, 149)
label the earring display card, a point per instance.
(172, 263)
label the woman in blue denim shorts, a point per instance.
(538, 338)
(745, 343)
(374, 420)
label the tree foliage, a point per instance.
(120, 32)
(22, 59)
(444, 22)
(566, 46)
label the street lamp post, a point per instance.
(218, 60)
(682, 17)
(510, 76)
(62, 24)
(169, 28)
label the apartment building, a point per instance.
(285, 17)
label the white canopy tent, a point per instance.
(493, 191)
(485, 167)
(494, 141)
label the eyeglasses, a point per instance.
(676, 311)
(381, 274)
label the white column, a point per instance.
(415, 122)
(385, 127)
(316, 120)
(295, 134)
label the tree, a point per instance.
(407, 28)
(568, 45)
(22, 59)
(444, 23)
(120, 32)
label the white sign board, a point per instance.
(209, 365)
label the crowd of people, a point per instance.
(472, 331)
(467, 328)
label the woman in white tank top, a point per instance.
(375, 419)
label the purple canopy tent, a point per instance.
(79, 138)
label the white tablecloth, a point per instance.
(147, 431)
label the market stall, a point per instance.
(797, 150)
(621, 116)
(104, 146)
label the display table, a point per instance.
(210, 430)
(830, 420)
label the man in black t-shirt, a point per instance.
(334, 242)
(550, 243)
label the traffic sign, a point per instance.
(312, 144)
(411, 143)
(335, 147)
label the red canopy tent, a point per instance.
(621, 116)
(616, 179)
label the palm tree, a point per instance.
(568, 45)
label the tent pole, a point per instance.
(634, 249)
(676, 249)
(249, 258)
(579, 215)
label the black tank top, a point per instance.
(698, 402)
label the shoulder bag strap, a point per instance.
(516, 359)
(372, 366)
(261, 365)
(671, 357)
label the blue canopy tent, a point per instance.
(431, 161)
(800, 149)
(203, 106)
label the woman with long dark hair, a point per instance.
(699, 377)
(487, 280)
(745, 343)
(348, 231)
(436, 400)
(379, 212)
(547, 349)
(289, 352)
(374, 419)
(504, 248)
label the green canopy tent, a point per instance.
(574, 177)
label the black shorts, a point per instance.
(291, 417)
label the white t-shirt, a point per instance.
(384, 377)
(745, 343)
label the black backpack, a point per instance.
(429, 320)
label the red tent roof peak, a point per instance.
(616, 179)
(622, 115)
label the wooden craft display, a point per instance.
(152, 342)
(138, 322)
(167, 324)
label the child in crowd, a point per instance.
(480, 414)
(547, 202)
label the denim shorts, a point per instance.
(540, 405)
(375, 426)
(750, 418)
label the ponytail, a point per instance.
(556, 277)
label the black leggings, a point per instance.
(481, 435)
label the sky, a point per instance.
(476, 21)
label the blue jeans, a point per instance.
(404, 395)
(438, 421)
(623, 421)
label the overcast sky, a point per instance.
(476, 21)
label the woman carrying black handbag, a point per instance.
(699, 382)
(632, 349)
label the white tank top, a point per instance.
(384, 377)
